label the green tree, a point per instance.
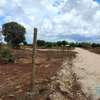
(14, 33)
(41, 43)
(49, 45)
(64, 43)
(72, 44)
(59, 43)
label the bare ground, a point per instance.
(87, 68)
(59, 76)
(15, 79)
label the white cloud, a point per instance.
(80, 17)
(54, 17)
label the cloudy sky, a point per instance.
(72, 20)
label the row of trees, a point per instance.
(42, 43)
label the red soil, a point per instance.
(15, 79)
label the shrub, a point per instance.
(48, 45)
(6, 55)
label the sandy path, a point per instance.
(87, 67)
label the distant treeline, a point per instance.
(45, 44)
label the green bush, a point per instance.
(6, 55)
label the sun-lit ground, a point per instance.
(15, 78)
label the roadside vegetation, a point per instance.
(14, 34)
(66, 43)
(93, 47)
(6, 55)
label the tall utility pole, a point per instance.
(33, 60)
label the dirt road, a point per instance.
(87, 68)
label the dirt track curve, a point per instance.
(87, 67)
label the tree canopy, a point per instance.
(14, 33)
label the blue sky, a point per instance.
(98, 1)
(72, 20)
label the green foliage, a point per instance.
(59, 43)
(64, 43)
(44, 44)
(41, 43)
(49, 45)
(14, 33)
(6, 55)
(84, 45)
(72, 44)
(95, 45)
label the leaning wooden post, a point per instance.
(33, 60)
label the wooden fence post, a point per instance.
(33, 60)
